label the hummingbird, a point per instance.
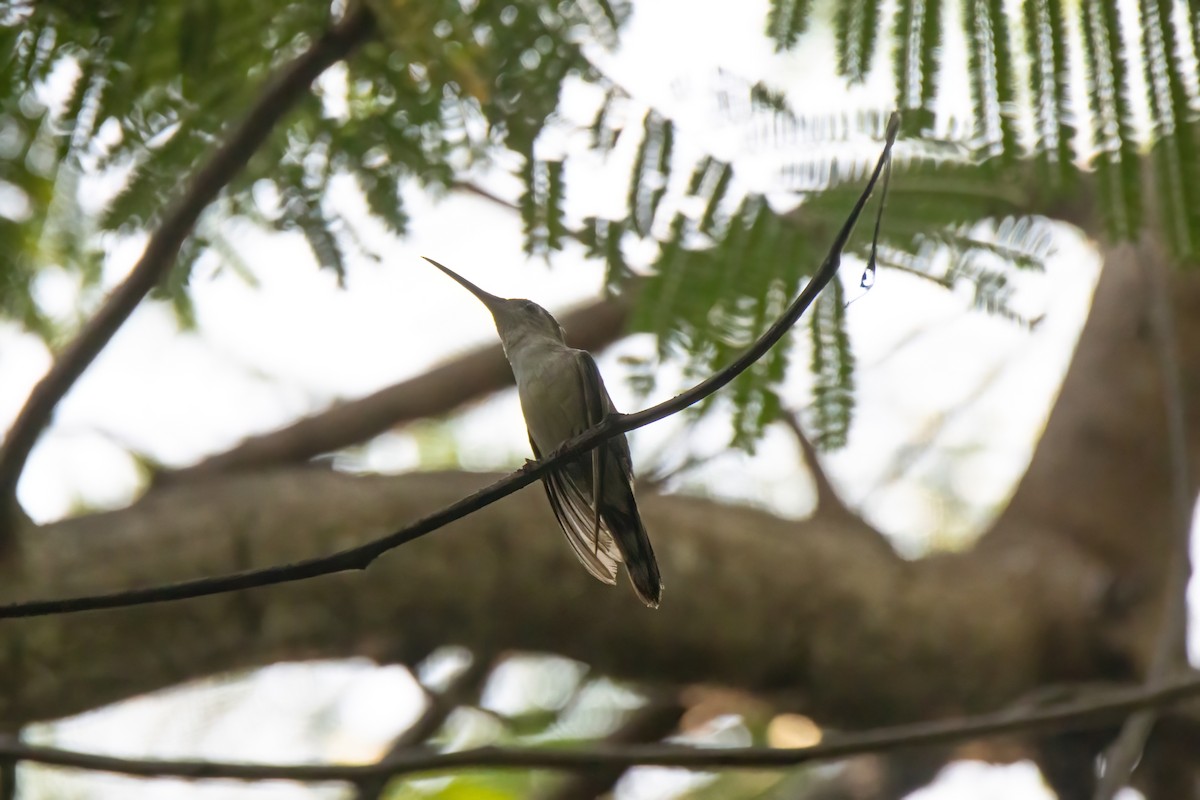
(562, 395)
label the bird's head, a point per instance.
(517, 320)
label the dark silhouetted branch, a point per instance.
(1102, 709)
(280, 95)
(650, 723)
(360, 557)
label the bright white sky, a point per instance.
(950, 401)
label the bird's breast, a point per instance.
(548, 383)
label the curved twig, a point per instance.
(1104, 708)
(278, 98)
(360, 557)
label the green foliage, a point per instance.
(163, 81)
(1174, 151)
(786, 21)
(855, 25)
(918, 34)
(1117, 160)
(832, 366)
(989, 66)
(175, 288)
(35, 230)
(1046, 37)
(466, 785)
(448, 86)
(603, 132)
(651, 168)
(603, 240)
(541, 207)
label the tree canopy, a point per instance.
(1068, 106)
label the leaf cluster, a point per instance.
(450, 87)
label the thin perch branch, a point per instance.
(1104, 708)
(278, 98)
(654, 721)
(360, 557)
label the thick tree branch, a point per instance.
(360, 557)
(279, 96)
(1101, 475)
(1083, 714)
(1170, 648)
(778, 607)
(439, 391)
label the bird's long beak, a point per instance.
(490, 300)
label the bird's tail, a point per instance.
(626, 525)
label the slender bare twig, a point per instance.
(1170, 646)
(360, 557)
(279, 96)
(828, 500)
(1102, 709)
(487, 194)
(438, 708)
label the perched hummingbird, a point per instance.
(562, 395)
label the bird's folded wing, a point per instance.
(574, 514)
